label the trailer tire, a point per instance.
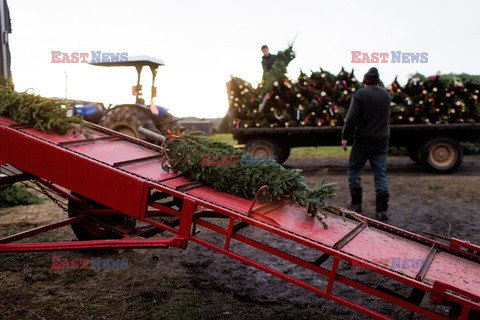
(414, 153)
(127, 120)
(284, 154)
(263, 148)
(441, 155)
(90, 230)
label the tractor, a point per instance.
(127, 118)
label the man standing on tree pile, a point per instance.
(267, 61)
(367, 124)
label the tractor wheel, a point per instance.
(127, 120)
(90, 229)
(441, 155)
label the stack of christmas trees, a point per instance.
(322, 98)
(445, 98)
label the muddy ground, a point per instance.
(199, 284)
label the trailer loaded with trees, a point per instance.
(430, 116)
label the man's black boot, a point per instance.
(381, 206)
(356, 205)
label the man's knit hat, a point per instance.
(371, 77)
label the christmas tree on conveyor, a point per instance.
(227, 169)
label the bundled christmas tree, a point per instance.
(227, 169)
(42, 113)
(402, 109)
(278, 70)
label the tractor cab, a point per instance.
(138, 62)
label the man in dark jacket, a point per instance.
(267, 60)
(367, 125)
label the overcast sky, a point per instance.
(204, 42)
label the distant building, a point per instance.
(206, 126)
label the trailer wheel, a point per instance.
(413, 153)
(441, 155)
(90, 229)
(263, 148)
(127, 120)
(284, 154)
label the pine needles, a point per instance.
(42, 113)
(233, 171)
